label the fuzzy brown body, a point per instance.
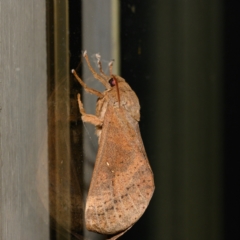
(122, 182)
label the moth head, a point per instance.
(114, 81)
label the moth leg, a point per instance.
(87, 89)
(100, 67)
(95, 74)
(88, 117)
(110, 65)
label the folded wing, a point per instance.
(122, 182)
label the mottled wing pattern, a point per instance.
(122, 182)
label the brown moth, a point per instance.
(122, 182)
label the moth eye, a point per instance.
(112, 82)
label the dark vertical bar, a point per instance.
(171, 55)
(232, 130)
(65, 128)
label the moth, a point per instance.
(122, 182)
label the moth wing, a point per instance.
(122, 183)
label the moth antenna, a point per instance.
(118, 93)
(110, 65)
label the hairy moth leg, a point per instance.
(95, 74)
(88, 117)
(86, 88)
(110, 65)
(98, 56)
